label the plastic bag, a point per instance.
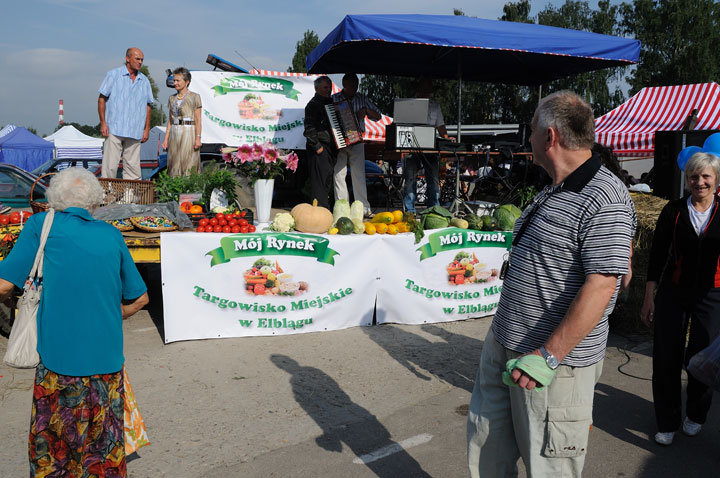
(170, 210)
(135, 430)
(705, 365)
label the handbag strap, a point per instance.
(37, 267)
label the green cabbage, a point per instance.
(505, 219)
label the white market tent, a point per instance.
(7, 129)
(71, 143)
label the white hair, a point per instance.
(74, 187)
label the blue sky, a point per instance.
(56, 49)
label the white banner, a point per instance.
(235, 285)
(452, 274)
(245, 109)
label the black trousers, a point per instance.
(671, 354)
(322, 168)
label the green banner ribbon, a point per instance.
(272, 244)
(456, 238)
(258, 84)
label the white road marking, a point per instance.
(145, 329)
(394, 448)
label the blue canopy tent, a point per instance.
(25, 150)
(445, 46)
(465, 48)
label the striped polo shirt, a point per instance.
(358, 102)
(581, 226)
(126, 106)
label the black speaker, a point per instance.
(668, 180)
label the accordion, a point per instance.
(343, 124)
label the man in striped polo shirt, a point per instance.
(543, 354)
(354, 155)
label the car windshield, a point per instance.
(55, 165)
(40, 170)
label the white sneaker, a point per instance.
(664, 438)
(690, 428)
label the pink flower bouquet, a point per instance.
(261, 161)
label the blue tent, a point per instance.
(443, 46)
(25, 150)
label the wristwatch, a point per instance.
(550, 359)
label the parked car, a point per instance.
(93, 165)
(58, 164)
(15, 184)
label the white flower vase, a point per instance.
(263, 201)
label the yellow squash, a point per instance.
(383, 218)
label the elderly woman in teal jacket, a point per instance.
(90, 284)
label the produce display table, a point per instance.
(235, 285)
(144, 247)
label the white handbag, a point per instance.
(22, 345)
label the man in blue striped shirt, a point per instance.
(544, 352)
(124, 110)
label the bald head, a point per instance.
(134, 59)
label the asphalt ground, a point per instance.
(388, 401)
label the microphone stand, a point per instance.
(458, 204)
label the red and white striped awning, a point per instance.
(629, 129)
(374, 130)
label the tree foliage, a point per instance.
(303, 48)
(679, 39)
(601, 88)
(157, 116)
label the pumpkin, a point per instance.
(312, 218)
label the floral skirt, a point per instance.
(76, 428)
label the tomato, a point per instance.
(244, 229)
(242, 222)
(242, 213)
(222, 222)
(259, 289)
(251, 228)
(14, 217)
(4, 219)
(235, 229)
(203, 222)
(185, 206)
(228, 217)
(232, 222)
(219, 216)
(201, 229)
(227, 229)
(213, 222)
(236, 213)
(217, 229)
(209, 228)
(25, 214)
(196, 209)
